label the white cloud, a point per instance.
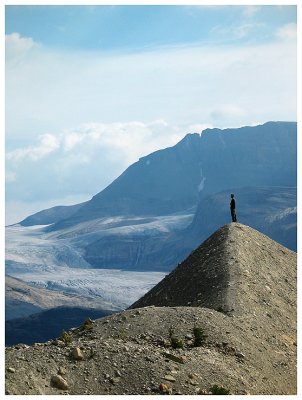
(104, 111)
(129, 140)
(287, 32)
(17, 47)
(47, 144)
(71, 139)
(76, 164)
(53, 90)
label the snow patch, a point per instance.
(202, 182)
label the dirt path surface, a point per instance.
(247, 347)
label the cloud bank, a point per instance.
(75, 120)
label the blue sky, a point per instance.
(124, 28)
(90, 89)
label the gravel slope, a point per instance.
(250, 348)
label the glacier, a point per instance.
(47, 262)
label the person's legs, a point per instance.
(234, 217)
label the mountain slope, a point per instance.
(230, 271)
(173, 179)
(250, 350)
(51, 215)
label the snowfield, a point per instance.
(57, 265)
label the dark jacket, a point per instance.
(232, 204)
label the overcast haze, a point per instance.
(91, 89)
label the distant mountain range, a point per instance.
(174, 179)
(165, 204)
(152, 217)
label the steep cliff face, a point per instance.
(230, 308)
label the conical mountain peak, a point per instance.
(236, 270)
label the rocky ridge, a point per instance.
(198, 348)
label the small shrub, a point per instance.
(219, 390)
(121, 334)
(171, 331)
(65, 337)
(87, 325)
(176, 343)
(199, 336)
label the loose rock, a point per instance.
(59, 382)
(164, 388)
(173, 357)
(169, 378)
(62, 371)
(77, 354)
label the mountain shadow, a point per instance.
(48, 324)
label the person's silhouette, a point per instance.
(233, 208)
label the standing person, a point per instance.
(233, 208)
